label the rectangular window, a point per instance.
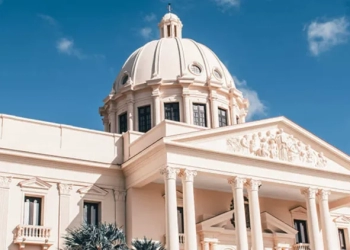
(32, 211)
(123, 123)
(171, 111)
(91, 213)
(237, 119)
(144, 118)
(180, 219)
(301, 236)
(222, 117)
(168, 29)
(341, 233)
(199, 114)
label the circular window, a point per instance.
(217, 74)
(196, 69)
(125, 79)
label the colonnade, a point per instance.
(238, 184)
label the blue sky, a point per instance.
(58, 58)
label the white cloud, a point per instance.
(47, 18)
(227, 4)
(256, 107)
(146, 33)
(66, 46)
(322, 36)
(151, 17)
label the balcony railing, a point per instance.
(28, 234)
(181, 239)
(301, 246)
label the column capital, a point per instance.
(237, 182)
(119, 195)
(187, 174)
(169, 172)
(253, 185)
(5, 181)
(323, 194)
(309, 193)
(64, 189)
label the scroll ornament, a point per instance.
(277, 145)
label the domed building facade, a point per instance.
(173, 78)
(177, 162)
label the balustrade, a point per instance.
(29, 234)
(301, 246)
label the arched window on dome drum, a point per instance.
(222, 117)
(199, 114)
(144, 115)
(123, 123)
(172, 111)
(169, 30)
(175, 30)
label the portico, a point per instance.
(246, 177)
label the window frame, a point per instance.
(299, 234)
(205, 114)
(98, 205)
(119, 122)
(150, 118)
(178, 111)
(220, 110)
(41, 208)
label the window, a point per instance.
(217, 74)
(222, 118)
(32, 211)
(91, 213)
(171, 111)
(144, 118)
(125, 79)
(301, 236)
(341, 234)
(199, 115)
(123, 123)
(196, 69)
(246, 211)
(109, 127)
(168, 28)
(237, 119)
(175, 29)
(180, 219)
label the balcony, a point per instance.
(301, 246)
(33, 235)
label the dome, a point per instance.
(170, 58)
(170, 16)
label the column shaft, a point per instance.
(189, 209)
(328, 239)
(310, 196)
(237, 184)
(186, 111)
(156, 110)
(172, 230)
(4, 206)
(130, 116)
(113, 121)
(255, 219)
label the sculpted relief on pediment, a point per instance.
(276, 145)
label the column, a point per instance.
(313, 228)
(4, 205)
(156, 106)
(205, 245)
(119, 199)
(255, 219)
(64, 202)
(172, 229)
(328, 239)
(213, 245)
(189, 209)
(186, 109)
(233, 114)
(130, 112)
(237, 184)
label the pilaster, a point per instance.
(64, 208)
(5, 183)
(120, 215)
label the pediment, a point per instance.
(276, 139)
(92, 190)
(35, 183)
(298, 210)
(270, 224)
(342, 220)
(179, 198)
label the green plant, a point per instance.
(146, 244)
(90, 237)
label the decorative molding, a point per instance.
(323, 194)
(64, 189)
(298, 210)
(253, 185)
(187, 175)
(237, 182)
(341, 220)
(276, 145)
(310, 193)
(35, 183)
(92, 190)
(5, 181)
(119, 195)
(169, 172)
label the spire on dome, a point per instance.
(170, 26)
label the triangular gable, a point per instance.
(276, 139)
(92, 190)
(179, 198)
(35, 183)
(298, 210)
(342, 220)
(271, 224)
(217, 221)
